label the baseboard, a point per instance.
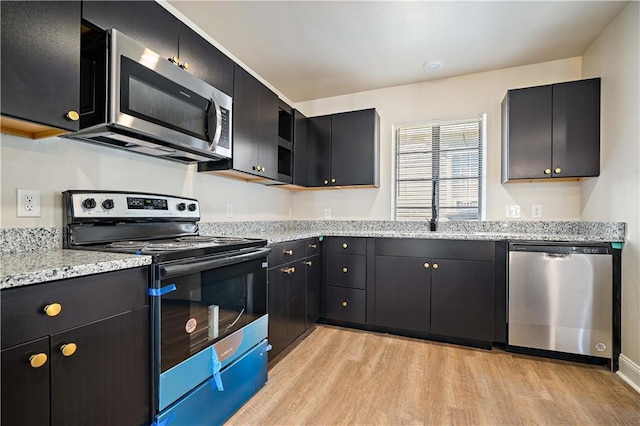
(629, 372)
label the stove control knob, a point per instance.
(89, 203)
(181, 207)
(192, 207)
(107, 204)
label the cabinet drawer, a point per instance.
(82, 300)
(286, 252)
(348, 245)
(347, 270)
(346, 304)
(312, 247)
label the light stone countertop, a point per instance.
(25, 268)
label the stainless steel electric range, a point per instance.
(208, 298)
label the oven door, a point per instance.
(207, 312)
(151, 95)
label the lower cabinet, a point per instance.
(293, 291)
(80, 369)
(440, 287)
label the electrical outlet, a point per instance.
(229, 210)
(512, 211)
(327, 213)
(28, 204)
(536, 210)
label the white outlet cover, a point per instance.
(536, 210)
(28, 203)
(512, 211)
(229, 210)
(327, 213)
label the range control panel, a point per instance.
(103, 204)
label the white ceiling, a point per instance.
(317, 49)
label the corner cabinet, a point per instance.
(551, 131)
(40, 67)
(343, 149)
(77, 351)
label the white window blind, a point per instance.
(439, 169)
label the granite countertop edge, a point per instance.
(27, 268)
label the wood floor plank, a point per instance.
(338, 376)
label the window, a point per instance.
(439, 170)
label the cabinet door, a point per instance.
(312, 266)
(106, 380)
(25, 389)
(403, 292)
(146, 22)
(277, 298)
(354, 148)
(296, 318)
(527, 134)
(300, 126)
(318, 151)
(246, 121)
(205, 61)
(462, 299)
(268, 137)
(347, 270)
(40, 64)
(576, 128)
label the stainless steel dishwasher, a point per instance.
(561, 298)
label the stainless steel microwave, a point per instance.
(134, 99)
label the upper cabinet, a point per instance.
(343, 149)
(157, 29)
(551, 131)
(40, 67)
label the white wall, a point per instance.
(55, 164)
(615, 195)
(453, 97)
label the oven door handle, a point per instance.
(191, 268)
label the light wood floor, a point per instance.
(339, 376)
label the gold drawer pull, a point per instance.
(72, 116)
(333, 180)
(558, 170)
(68, 349)
(344, 269)
(38, 360)
(435, 266)
(344, 303)
(52, 309)
(308, 263)
(289, 270)
(344, 245)
(289, 252)
(547, 171)
(326, 182)
(426, 265)
(313, 246)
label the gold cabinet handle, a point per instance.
(344, 269)
(435, 266)
(558, 170)
(68, 349)
(547, 171)
(426, 265)
(290, 270)
(289, 252)
(185, 66)
(72, 116)
(174, 60)
(52, 309)
(326, 182)
(38, 360)
(262, 168)
(313, 246)
(333, 180)
(344, 303)
(344, 245)
(308, 263)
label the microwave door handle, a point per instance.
(218, 116)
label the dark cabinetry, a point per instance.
(156, 28)
(40, 67)
(551, 131)
(440, 287)
(87, 347)
(346, 279)
(343, 149)
(293, 289)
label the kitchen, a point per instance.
(612, 197)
